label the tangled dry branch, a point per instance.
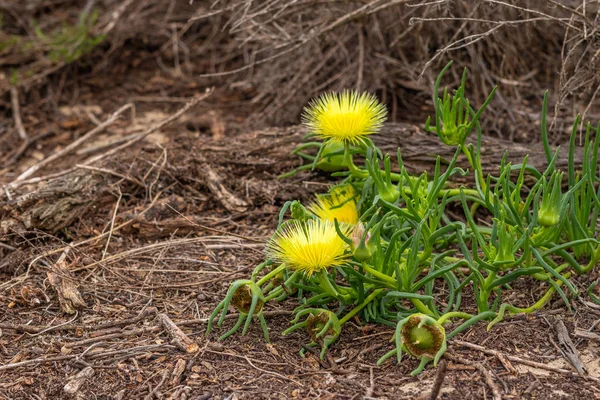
(291, 50)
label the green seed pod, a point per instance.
(389, 193)
(423, 337)
(548, 217)
(549, 212)
(332, 163)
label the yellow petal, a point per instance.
(345, 117)
(308, 246)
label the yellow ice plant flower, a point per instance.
(309, 246)
(338, 204)
(344, 117)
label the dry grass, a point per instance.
(292, 50)
(274, 55)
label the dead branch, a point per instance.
(20, 181)
(439, 380)
(68, 149)
(489, 380)
(503, 37)
(583, 334)
(186, 107)
(132, 351)
(120, 334)
(154, 391)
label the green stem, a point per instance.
(538, 305)
(451, 192)
(422, 307)
(454, 314)
(349, 162)
(270, 275)
(540, 276)
(485, 293)
(593, 261)
(326, 285)
(476, 167)
(356, 309)
(385, 278)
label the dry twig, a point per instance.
(68, 149)
(489, 380)
(439, 380)
(178, 337)
(567, 347)
(16, 111)
(520, 360)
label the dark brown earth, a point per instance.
(178, 252)
(165, 224)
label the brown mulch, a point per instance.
(174, 247)
(156, 232)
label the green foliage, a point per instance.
(71, 42)
(409, 258)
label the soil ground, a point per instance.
(143, 232)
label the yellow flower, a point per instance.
(308, 247)
(344, 117)
(338, 204)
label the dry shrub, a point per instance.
(272, 56)
(292, 50)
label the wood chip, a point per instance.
(75, 382)
(177, 372)
(178, 337)
(61, 280)
(568, 348)
(215, 184)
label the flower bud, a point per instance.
(389, 193)
(548, 217)
(549, 212)
(332, 163)
(453, 121)
(298, 211)
(503, 252)
(362, 245)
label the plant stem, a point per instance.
(476, 167)
(485, 293)
(349, 162)
(270, 275)
(356, 309)
(454, 314)
(593, 261)
(326, 285)
(387, 279)
(422, 307)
